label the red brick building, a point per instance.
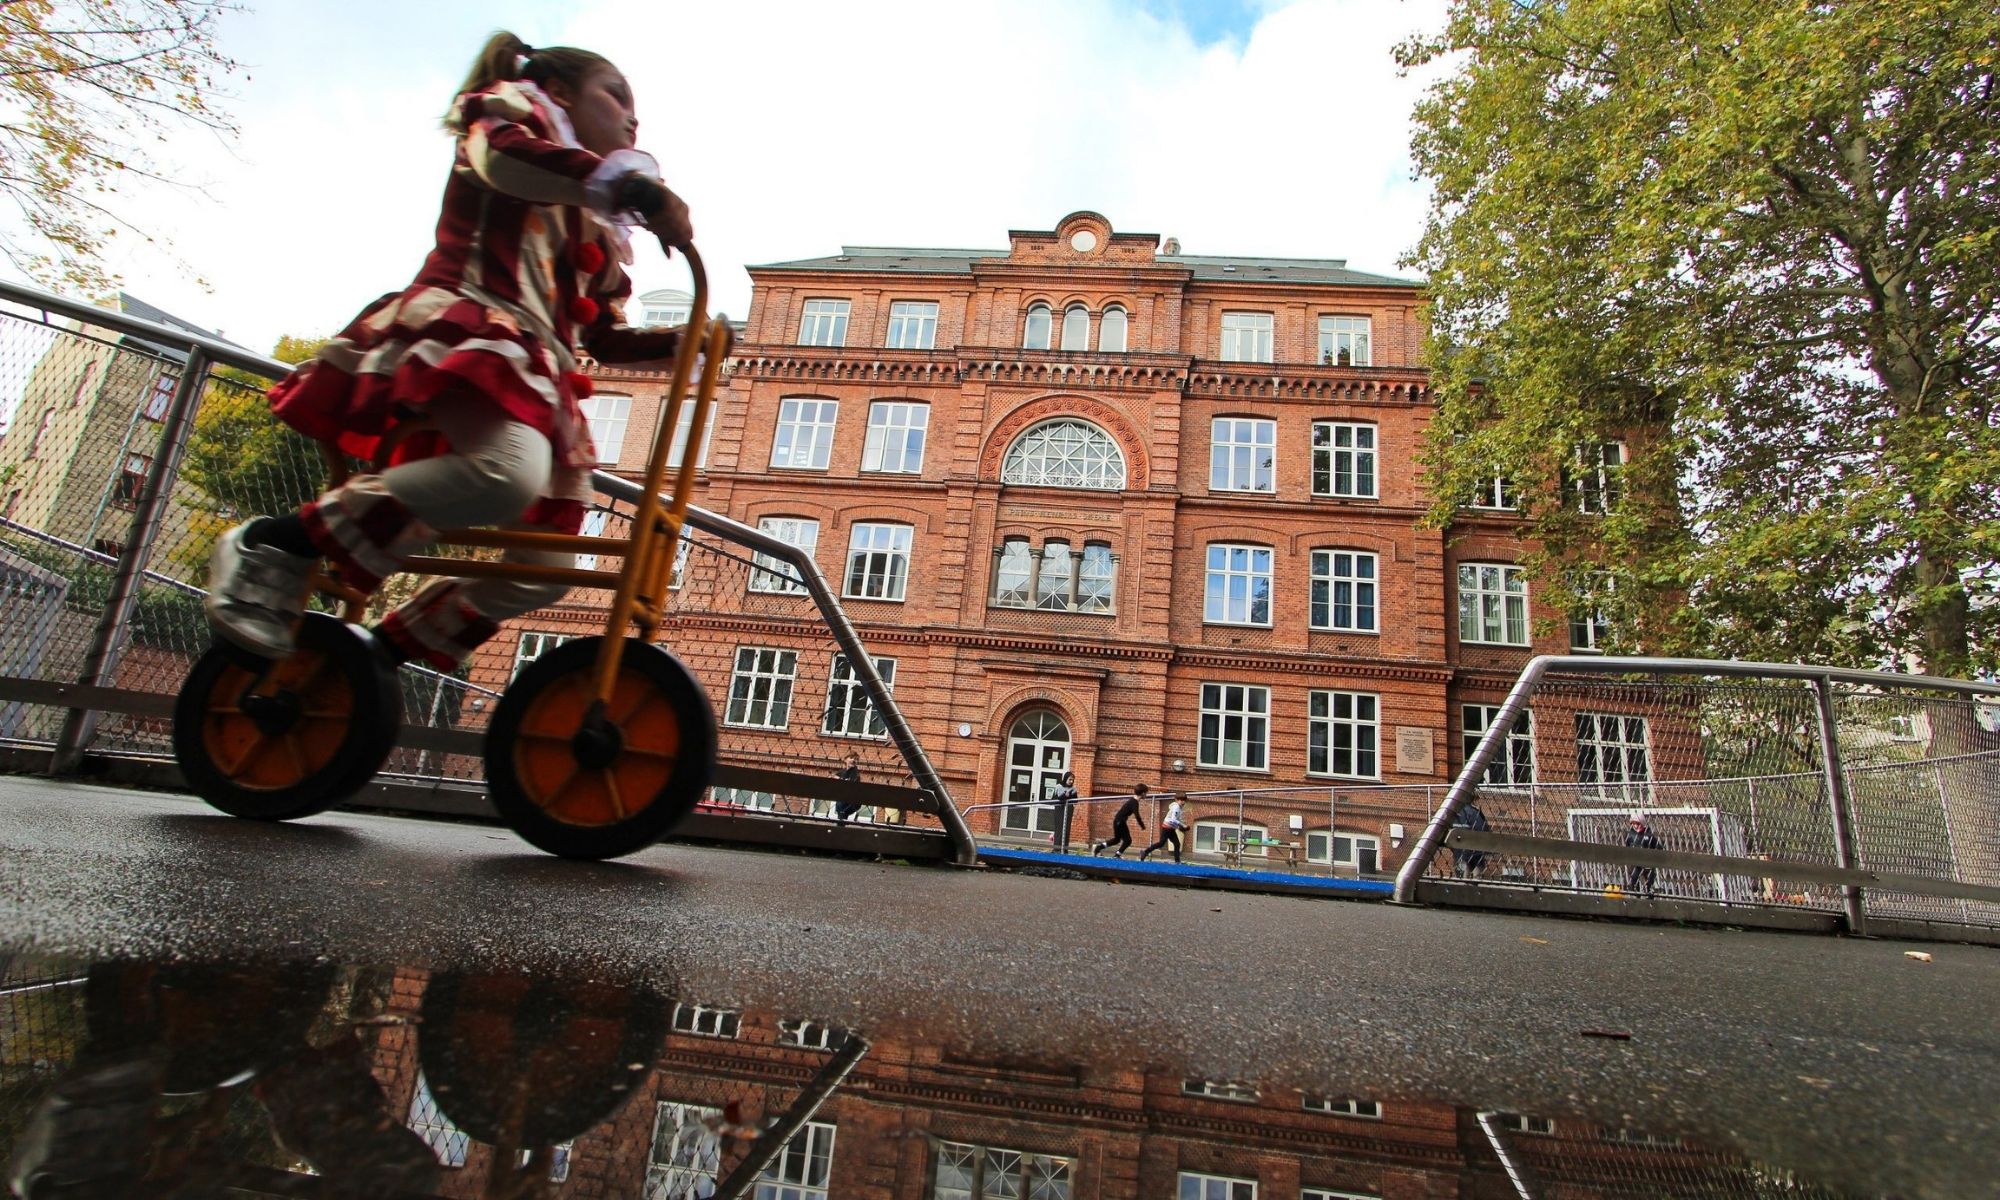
(1108, 507)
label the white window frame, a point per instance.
(666, 316)
(704, 1021)
(1221, 1089)
(1089, 458)
(1492, 604)
(429, 1122)
(532, 644)
(912, 325)
(1230, 590)
(1244, 707)
(1590, 632)
(1328, 842)
(1514, 766)
(878, 561)
(609, 414)
(1528, 1123)
(692, 1154)
(1247, 336)
(1076, 328)
(1194, 1185)
(763, 680)
(773, 576)
(1344, 1106)
(804, 433)
(897, 432)
(1609, 736)
(1497, 494)
(1226, 836)
(823, 322)
(1597, 476)
(1345, 455)
(1020, 1174)
(1033, 338)
(847, 700)
(683, 426)
(1113, 318)
(1080, 592)
(594, 522)
(1355, 717)
(811, 1035)
(1339, 332)
(1356, 571)
(802, 1168)
(1243, 455)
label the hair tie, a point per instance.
(522, 59)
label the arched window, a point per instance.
(1111, 331)
(1065, 453)
(1076, 328)
(1037, 335)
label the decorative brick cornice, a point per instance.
(909, 369)
(1107, 372)
(1315, 664)
(1330, 385)
(974, 639)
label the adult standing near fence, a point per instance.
(1639, 836)
(850, 772)
(1170, 831)
(1121, 824)
(1468, 862)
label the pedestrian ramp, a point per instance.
(1186, 874)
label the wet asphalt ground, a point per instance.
(1841, 1058)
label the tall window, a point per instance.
(1242, 455)
(1343, 591)
(1239, 585)
(804, 440)
(1590, 631)
(1338, 848)
(1492, 604)
(1515, 763)
(801, 1169)
(533, 644)
(608, 414)
(1111, 330)
(849, 711)
(823, 323)
(683, 427)
(1192, 1186)
(1496, 492)
(966, 1172)
(430, 1123)
(1058, 579)
(1065, 453)
(774, 575)
(686, 1156)
(1343, 341)
(1235, 726)
(1076, 328)
(131, 480)
(1342, 732)
(1597, 476)
(1246, 337)
(896, 432)
(878, 562)
(161, 396)
(760, 690)
(1611, 752)
(912, 325)
(1343, 459)
(703, 1021)
(594, 523)
(1035, 330)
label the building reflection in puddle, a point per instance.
(127, 1080)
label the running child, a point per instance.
(527, 271)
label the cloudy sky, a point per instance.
(793, 127)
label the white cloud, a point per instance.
(794, 127)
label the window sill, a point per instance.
(1269, 493)
(765, 728)
(1347, 499)
(1344, 778)
(1202, 766)
(874, 599)
(1495, 645)
(1236, 624)
(1344, 632)
(1054, 612)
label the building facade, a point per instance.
(1103, 507)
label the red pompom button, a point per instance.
(589, 257)
(581, 386)
(583, 310)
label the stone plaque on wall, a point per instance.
(1413, 750)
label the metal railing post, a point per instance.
(114, 624)
(1837, 798)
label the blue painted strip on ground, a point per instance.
(1170, 870)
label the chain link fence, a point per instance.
(1873, 772)
(92, 412)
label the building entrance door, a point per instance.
(1037, 756)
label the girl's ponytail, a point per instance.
(498, 61)
(506, 57)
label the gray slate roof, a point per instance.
(132, 306)
(1205, 267)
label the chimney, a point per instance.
(1173, 246)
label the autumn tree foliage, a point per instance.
(90, 91)
(1758, 241)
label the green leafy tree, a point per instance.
(1759, 242)
(88, 90)
(241, 461)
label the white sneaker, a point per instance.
(256, 594)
